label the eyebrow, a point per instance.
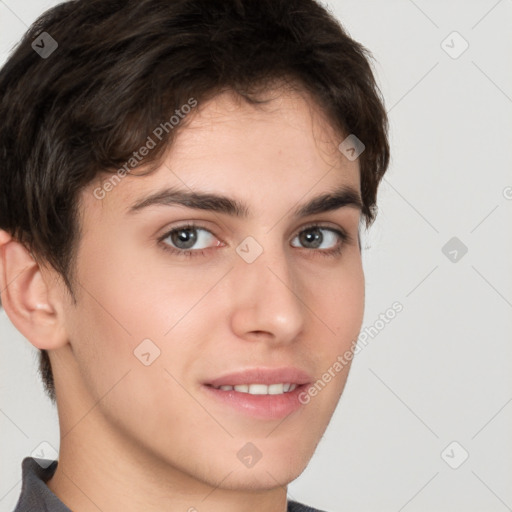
(345, 196)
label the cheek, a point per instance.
(133, 293)
(124, 301)
(338, 301)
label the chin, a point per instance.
(261, 478)
(278, 468)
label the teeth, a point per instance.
(276, 389)
(261, 389)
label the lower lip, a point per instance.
(266, 407)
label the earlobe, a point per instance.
(26, 298)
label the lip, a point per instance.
(264, 407)
(266, 376)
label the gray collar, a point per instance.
(35, 495)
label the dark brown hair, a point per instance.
(122, 67)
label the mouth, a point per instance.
(260, 389)
(261, 393)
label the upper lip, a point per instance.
(262, 375)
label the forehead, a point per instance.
(281, 150)
(287, 119)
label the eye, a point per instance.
(183, 238)
(312, 238)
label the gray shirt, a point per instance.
(36, 496)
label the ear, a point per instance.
(26, 297)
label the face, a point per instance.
(175, 301)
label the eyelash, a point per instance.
(344, 237)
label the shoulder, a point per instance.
(295, 506)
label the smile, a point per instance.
(260, 389)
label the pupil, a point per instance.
(313, 236)
(185, 236)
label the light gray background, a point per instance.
(441, 371)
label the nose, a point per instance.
(266, 297)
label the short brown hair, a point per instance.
(123, 67)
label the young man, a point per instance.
(182, 185)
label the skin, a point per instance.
(137, 437)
